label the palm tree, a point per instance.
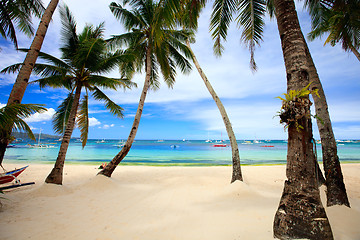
(157, 46)
(23, 76)
(84, 58)
(188, 18)
(18, 12)
(300, 213)
(335, 187)
(340, 19)
(12, 117)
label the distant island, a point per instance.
(24, 136)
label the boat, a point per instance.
(101, 141)
(220, 145)
(39, 145)
(8, 177)
(208, 140)
(267, 146)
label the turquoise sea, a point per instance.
(169, 152)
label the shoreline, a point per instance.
(149, 202)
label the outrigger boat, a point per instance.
(9, 176)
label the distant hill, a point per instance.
(24, 136)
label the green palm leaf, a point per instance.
(18, 13)
(15, 113)
(251, 20)
(221, 18)
(68, 33)
(62, 113)
(83, 120)
(110, 83)
(339, 19)
(12, 68)
(56, 81)
(129, 19)
(110, 105)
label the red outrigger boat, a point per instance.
(220, 145)
(9, 176)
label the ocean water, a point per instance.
(169, 153)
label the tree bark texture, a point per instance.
(18, 90)
(56, 174)
(300, 213)
(22, 79)
(336, 191)
(236, 173)
(110, 167)
(356, 52)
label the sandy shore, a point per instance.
(159, 203)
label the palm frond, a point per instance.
(190, 12)
(110, 61)
(83, 120)
(270, 8)
(128, 18)
(181, 61)
(109, 104)
(154, 77)
(18, 13)
(49, 58)
(68, 33)
(12, 116)
(251, 20)
(221, 18)
(12, 68)
(110, 83)
(62, 113)
(56, 81)
(7, 29)
(126, 39)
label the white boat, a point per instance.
(101, 141)
(39, 145)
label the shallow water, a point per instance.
(168, 152)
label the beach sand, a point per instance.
(159, 203)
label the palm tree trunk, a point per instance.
(110, 167)
(22, 79)
(56, 175)
(336, 191)
(353, 49)
(300, 213)
(236, 173)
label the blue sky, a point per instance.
(187, 111)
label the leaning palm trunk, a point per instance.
(336, 191)
(353, 49)
(22, 79)
(300, 213)
(56, 175)
(236, 174)
(110, 167)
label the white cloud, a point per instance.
(93, 122)
(107, 126)
(39, 117)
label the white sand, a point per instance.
(160, 203)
